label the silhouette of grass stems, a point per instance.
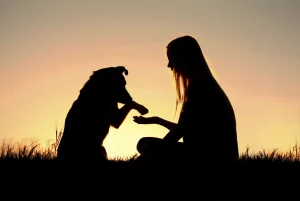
(33, 151)
(22, 151)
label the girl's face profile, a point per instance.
(170, 64)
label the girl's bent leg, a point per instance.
(154, 146)
(149, 145)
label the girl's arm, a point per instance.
(154, 120)
(167, 124)
(173, 135)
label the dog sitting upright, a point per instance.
(95, 110)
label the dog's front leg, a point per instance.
(118, 115)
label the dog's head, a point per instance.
(112, 84)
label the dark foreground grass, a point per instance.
(263, 162)
(14, 152)
(254, 175)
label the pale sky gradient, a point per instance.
(49, 48)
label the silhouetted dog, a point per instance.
(88, 121)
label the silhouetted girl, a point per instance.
(207, 121)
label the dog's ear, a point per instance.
(122, 69)
(125, 71)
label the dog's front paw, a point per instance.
(141, 109)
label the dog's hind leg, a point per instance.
(102, 154)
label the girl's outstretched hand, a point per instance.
(145, 120)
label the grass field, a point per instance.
(11, 151)
(248, 178)
(33, 151)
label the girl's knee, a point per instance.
(141, 145)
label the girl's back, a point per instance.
(208, 121)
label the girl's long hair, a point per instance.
(181, 86)
(189, 62)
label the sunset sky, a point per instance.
(49, 48)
